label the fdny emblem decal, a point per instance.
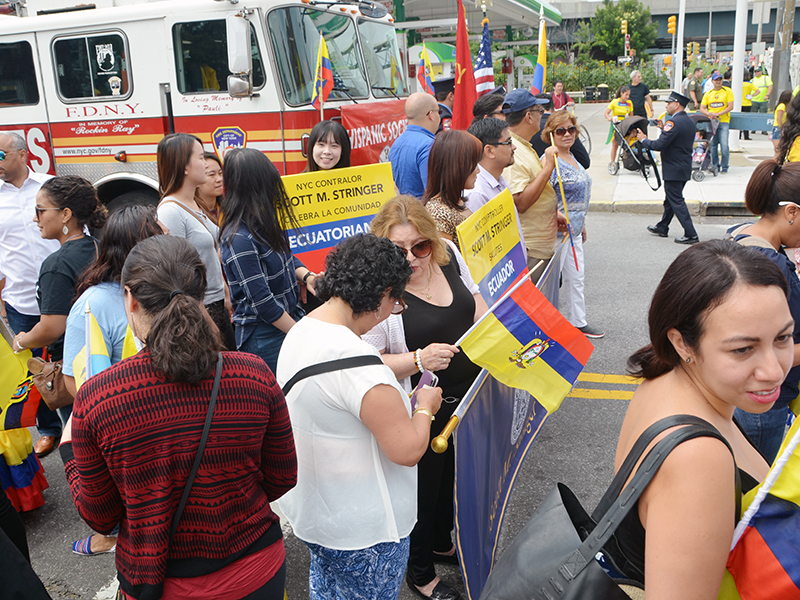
(228, 138)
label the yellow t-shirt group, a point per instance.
(717, 100)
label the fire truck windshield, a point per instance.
(295, 37)
(382, 56)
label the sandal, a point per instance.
(84, 547)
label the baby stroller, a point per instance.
(631, 153)
(701, 157)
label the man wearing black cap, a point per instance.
(444, 92)
(675, 145)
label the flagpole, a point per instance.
(513, 289)
(87, 316)
(439, 443)
(319, 78)
(564, 201)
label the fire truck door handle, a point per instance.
(304, 144)
(166, 95)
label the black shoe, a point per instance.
(442, 591)
(687, 240)
(656, 231)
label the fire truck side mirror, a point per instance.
(240, 58)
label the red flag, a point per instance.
(465, 92)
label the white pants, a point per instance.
(572, 283)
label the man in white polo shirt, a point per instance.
(22, 251)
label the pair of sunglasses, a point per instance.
(561, 131)
(420, 249)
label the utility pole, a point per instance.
(777, 54)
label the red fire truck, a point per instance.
(93, 89)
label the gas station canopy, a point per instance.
(516, 13)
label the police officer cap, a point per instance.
(447, 84)
(500, 89)
(519, 100)
(679, 98)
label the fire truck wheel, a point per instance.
(132, 198)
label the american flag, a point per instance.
(484, 72)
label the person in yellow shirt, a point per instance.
(780, 116)
(789, 147)
(619, 108)
(749, 90)
(717, 105)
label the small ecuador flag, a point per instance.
(525, 343)
(540, 73)
(765, 560)
(424, 72)
(323, 81)
(95, 348)
(19, 398)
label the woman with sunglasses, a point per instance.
(771, 194)
(443, 302)
(357, 439)
(452, 168)
(562, 130)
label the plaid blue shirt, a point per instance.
(263, 282)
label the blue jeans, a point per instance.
(47, 421)
(374, 573)
(265, 341)
(721, 138)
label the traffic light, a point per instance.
(667, 60)
(688, 48)
(624, 27)
(671, 24)
(696, 48)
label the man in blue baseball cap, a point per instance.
(529, 179)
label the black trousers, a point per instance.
(435, 480)
(675, 205)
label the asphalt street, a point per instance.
(576, 446)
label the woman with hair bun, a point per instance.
(771, 194)
(720, 340)
(136, 431)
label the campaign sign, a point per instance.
(373, 128)
(227, 138)
(489, 241)
(331, 206)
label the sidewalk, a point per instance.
(629, 192)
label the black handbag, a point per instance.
(553, 557)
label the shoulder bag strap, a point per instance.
(191, 212)
(607, 526)
(329, 366)
(635, 453)
(196, 466)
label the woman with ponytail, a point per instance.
(136, 431)
(720, 340)
(771, 194)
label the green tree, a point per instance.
(607, 22)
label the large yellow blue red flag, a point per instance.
(765, 560)
(94, 356)
(525, 343)
(540, 73)
(424, 72)
(19, 398)
(323, 79)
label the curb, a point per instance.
(697, 208)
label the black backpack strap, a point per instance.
(607, 526)
(645, 439)
(332, 365)
(197, 459)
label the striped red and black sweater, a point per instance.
(135, 436)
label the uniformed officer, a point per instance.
(444, 91)
(675, 145)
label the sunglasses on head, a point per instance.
(420, 249)
(564, 130)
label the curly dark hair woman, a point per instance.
(362, 270)
(160, 404)
(357, 438)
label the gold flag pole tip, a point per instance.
(439, 444)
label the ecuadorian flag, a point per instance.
(95, 349)
(424, 72)
(765, 561)
(19, 398)
(323, 81)
(540, 73)
(525, 343)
